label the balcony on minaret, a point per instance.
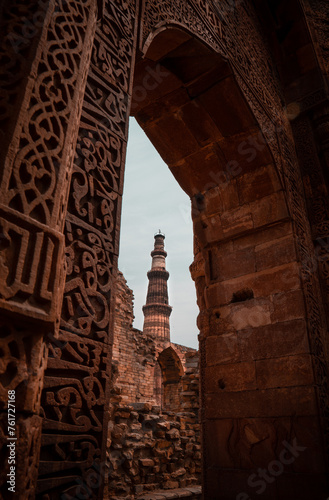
(156, 310)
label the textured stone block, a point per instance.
(199, 123)
(263, 284)
(237, 221)
(230, 377)
(235, 263)
(223, 198)
(193, 179)
(287, 306)
(271, 341)
(284, 372)
(232, 107)
(262, 403)
(270, 209)
(264, 235)
(256, 442)
(250, 313)
(222, 349)
(174, 139)
(258, 183)
(275, 253)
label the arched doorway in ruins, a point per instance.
(168, 372)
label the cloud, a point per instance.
(153, 200)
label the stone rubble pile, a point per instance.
(150, 450)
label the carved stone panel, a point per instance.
(44, 53)
(75, 397)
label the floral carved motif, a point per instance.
(37, 167)
(33, 184)
(21, 25)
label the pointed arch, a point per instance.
(171, 372)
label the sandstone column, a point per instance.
(75, 398)
(45, 50)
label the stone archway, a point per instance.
(247, 260)
(171, 374)
(263, 362)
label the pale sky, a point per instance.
(153, 200)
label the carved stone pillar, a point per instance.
(45, 50)
(312, 145)
(309, 130)
(75, 397)
(319, 206)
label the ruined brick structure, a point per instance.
(139, 355)
(154, 429)
(234, 96)
(150, 367)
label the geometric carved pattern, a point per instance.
(75, 394)
(22, 365)
(20, 24)
(31, 255)
(44, 51)
(32, 181)
(35, 176)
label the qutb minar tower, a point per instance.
(156, 310)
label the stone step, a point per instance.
(191, 492)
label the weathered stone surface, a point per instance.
(231, 377)
(154, 461)
(262, 403)
(284, 372)
(222, 349)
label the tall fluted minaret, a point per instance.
(156, 310)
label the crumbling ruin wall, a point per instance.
(149, 447)
(152, 450)
(134, 353)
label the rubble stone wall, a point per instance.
(151, 450)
